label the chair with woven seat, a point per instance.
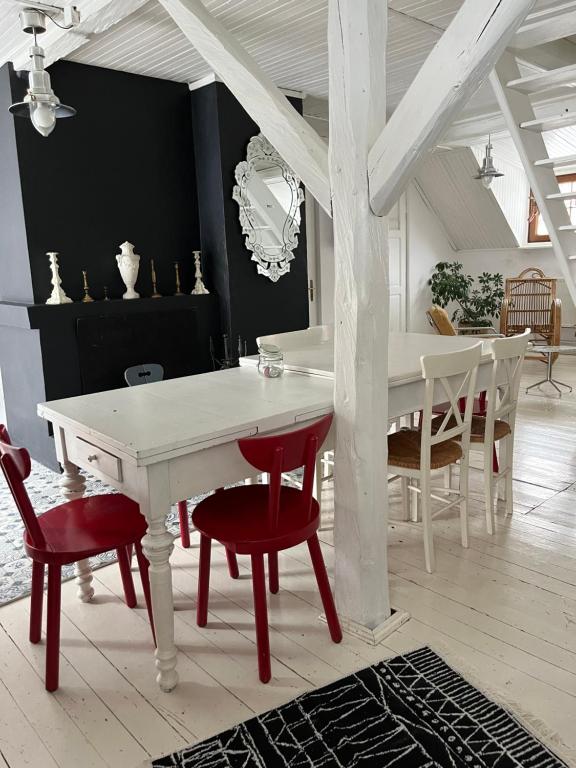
(414, 453)
(73, 531)
(440, 321)
(498, 424)
(265, 519)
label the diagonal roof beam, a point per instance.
(458, 64)
(283, 126)
(96, 16)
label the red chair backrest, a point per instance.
(286, 452)
(16, 466)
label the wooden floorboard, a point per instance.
(503, 611)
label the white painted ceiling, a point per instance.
(470, 214)
(286, 37)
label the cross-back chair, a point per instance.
(259, 520)
(414, 453)
(497, 426)
(499, 423)
(73, 531)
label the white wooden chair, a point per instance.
(317, 334)
(414, 453)
(498, 424)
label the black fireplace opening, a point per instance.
(107, 345)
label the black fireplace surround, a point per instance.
(155, 167)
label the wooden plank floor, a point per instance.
(505, 609)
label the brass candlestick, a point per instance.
(87, 298)
(155, 294)
(178, 287)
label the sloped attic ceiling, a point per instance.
(470, 214)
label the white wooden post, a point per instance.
(457, 65)
(357, 48)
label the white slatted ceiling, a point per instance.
(469, 213)
(287, 38)
(558, 143)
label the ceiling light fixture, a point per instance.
(488, 172)
(41, 104)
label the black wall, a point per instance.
(121, 169)
(124, 169)
(251, 304)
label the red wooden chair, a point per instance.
(265, 519)
(73, 531)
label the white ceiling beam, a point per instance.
(283, 126)
(456, 67)
(476, 127)
(547, 25)
(96, 16)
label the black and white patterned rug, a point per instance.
(412, 711)
(44, 492)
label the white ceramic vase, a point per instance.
(128, 263)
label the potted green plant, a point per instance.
(477, 302)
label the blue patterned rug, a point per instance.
(44, 492)
(412, 711)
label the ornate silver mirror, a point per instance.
(269, 196)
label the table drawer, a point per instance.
(94, 457)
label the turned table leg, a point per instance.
(158, 544)
(72, 486)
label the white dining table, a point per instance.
(405, 383)
(164, 442)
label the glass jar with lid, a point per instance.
(271, 361)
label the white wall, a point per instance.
(427, 245)
(512, 263)
(324, 266)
